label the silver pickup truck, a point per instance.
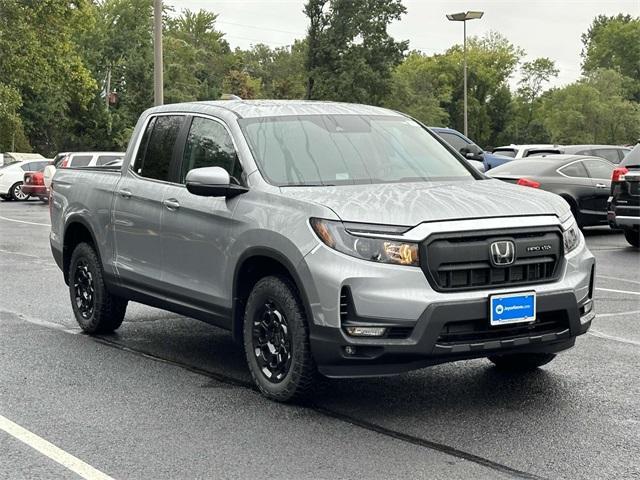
(333, 239)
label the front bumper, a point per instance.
(387, 295)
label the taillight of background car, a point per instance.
(525, 182)
(618, 174)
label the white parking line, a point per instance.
(617, 291)
(18, 253)
(50, 450)
(617, 278)
(604, 315)
(596, 333)
(24, 221)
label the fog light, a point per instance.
(349, 350)
(366, 331)
(588, 307)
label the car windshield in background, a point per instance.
(632, 159)
(348, 149)
(8, 162)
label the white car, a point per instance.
(521, 151)
(12, 177)
(80, 159)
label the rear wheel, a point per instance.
(521, 362)
(17, 193)
(276, 341)
(633, 236)
(95, 309)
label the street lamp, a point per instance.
(158, 83)
(463, 17)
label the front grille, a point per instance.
(461, 261)
(472, 331)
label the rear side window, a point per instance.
(575, 170)
(209, 145)
(633, 157)
(505, 153)
(102, 159)
(159, 140)
(454, 140)
(598, 169)
(80, 160)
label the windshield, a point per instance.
(347, 150)
(632, 159)
(8, 162)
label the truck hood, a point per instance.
(409, 204)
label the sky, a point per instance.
(543, 28)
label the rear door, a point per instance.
(137, 208)
(196, 229)
(578, 185)
(600, 172)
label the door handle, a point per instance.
(171, 204)
(125, 193)
(601, 185)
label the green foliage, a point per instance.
(241, 84)
(593, 110)
(350, 54)
(613, 43)
(280, 70)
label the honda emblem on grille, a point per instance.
(503, 253)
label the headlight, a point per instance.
(334, 235)
(571, 237)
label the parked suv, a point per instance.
(334, 239)
(623, 209)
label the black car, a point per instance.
(623, 209)
(584, 182)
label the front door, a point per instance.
(196, 229)
(137, 210)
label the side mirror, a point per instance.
(212, 182)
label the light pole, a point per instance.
(463, 17)
(158, 83)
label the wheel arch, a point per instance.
(76, 231)
(254, 264)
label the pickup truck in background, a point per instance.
(331, 239)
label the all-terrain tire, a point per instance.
(98, 311)
(278, 294)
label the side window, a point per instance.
(598, 169)
(454, 140)
(209, 145)
(610, 154)
(575, 170)
(102, 159)
(153, 159)
(80, 160)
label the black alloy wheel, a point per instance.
(84, 289)
(272, 342)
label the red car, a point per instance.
(34, 185)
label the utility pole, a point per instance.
(158, 83)
(107, 89)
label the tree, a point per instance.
(592, 110)
(418, 89)
(350, 54)
(241, 84)
(526, 127)
(42, 63)
(12, 137)
(280, 70)
(613, 43)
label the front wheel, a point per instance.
(521, 362)
(633, 236)
(95, 309)
(17, 193)
(276, 341)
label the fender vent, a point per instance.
(345, 304)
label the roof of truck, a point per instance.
(274, 108)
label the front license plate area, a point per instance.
(512, 308)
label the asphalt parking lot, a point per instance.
(169, 397)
